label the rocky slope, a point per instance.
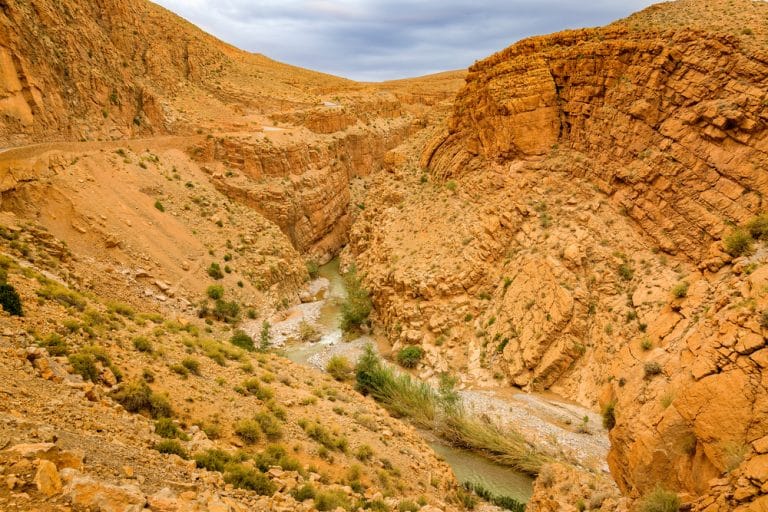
(579, 196)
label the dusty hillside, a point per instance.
(582, 197)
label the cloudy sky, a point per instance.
(386, 39)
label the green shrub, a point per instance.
(226, 311)
(758, 227)
(214, 270)
(409, 357)
(212, 460)
(167, 428)
(250, 479)
(55, 345)
(339, 368)
(609, 415)
(660, 500)
(276, 455)
(680, 290)
(136, 396)
(10, 300)
(255, 388)
(408, 506)
(241, 339)
(308, 333)
(269, 425)
(331, 500)
(142, 344)
(364, 452)
(62, 295)
(191, 364)
(625, 272)
(651, 369)
(121, 309)
(357, 306)
(265, 338)
(159, 206)
(171, 446)
(738, 243)
(323, 436)
(313, 269)
(215, 291)
(304, 493)
(248, 430)
(84, 365)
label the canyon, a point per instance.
(578, 216)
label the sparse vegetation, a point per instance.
(215, 291)
(609, 415)
(357, 306)
(214, 270)
(136, 396)
(242, 340)
(660, 500)
(142, 344)
(10, 300)
(680, 290)
(651, 369)
(248, 430)
(171, 446)
(244, 477)
(738, 243)
(339, 368)
(313, 269)
(409, 357)
(442, 412)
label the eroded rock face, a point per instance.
(674, 123)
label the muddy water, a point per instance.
(325, 314)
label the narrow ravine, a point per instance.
(557, 425)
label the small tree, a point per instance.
(10, 300)
(357, 306)
(265, 337)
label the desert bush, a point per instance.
(409, 357)
(339, 368)
(171, 446)
(758, 227)
(308, 333)
(609, 415)
(322, 435)
(142, 344)
(191, 364)
(136, 396)
(331, 500)
(255, 388)
(269, 425)
(214, 270)
(651, 369)
(625, 272)
(215, 291)
(738, 243)
(364, 452)
(62, 295)
(226, 311)
(246, 478)
(276, 455)
(212, 460)
(10, 300)
(167, 428)
(660, 500)
(248, 430)
(242, 340)
(304, 493)
(680, 290)
(357, 306)
(55, 345)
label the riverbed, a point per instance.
(555, 425)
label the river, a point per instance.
(544, 420)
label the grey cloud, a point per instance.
(380, 40)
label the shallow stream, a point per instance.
(545, 420)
